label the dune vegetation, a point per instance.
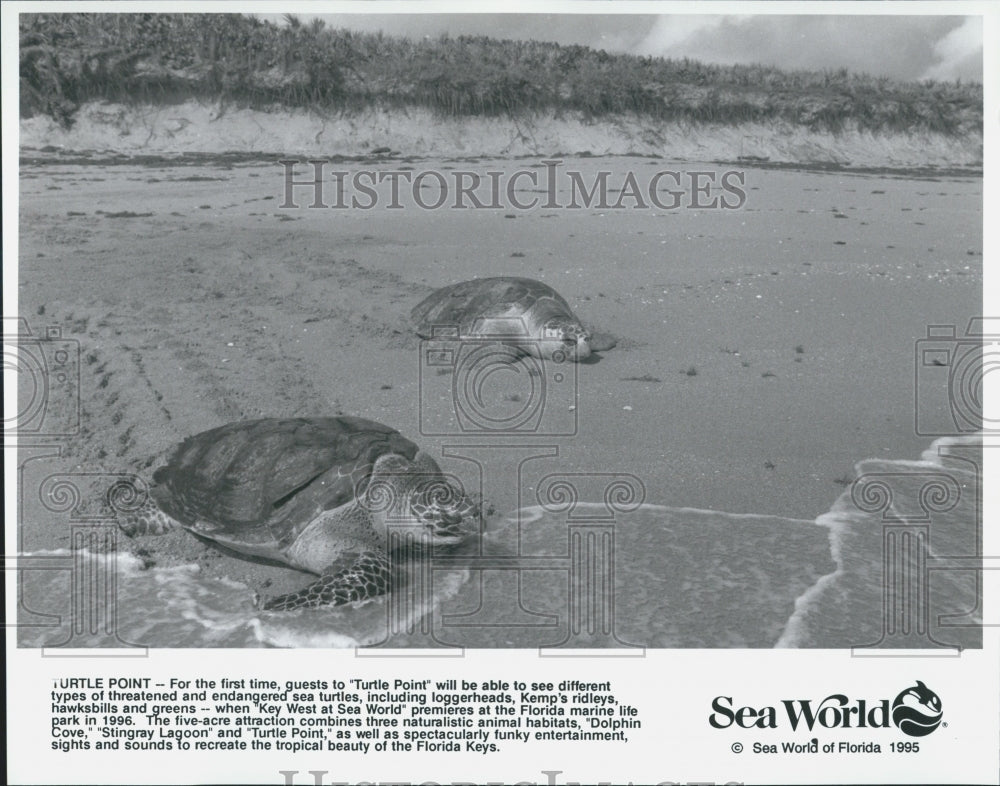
(67, 60)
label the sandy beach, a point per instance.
(762, 350)
(278, 509)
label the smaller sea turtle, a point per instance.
(519, 311)
(317, 494)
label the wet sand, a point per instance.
(763, 351)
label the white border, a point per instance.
(671, 688)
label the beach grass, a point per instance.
(69, 59)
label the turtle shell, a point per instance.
(468, 302)
(255, 485)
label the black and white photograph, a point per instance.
(425, 393)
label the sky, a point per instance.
(902, 47)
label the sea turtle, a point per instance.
(519, 311)
(315, 493)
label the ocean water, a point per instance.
(891, 564)
(906, 537)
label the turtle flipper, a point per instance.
(367, 577)
(146, 520)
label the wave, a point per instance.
(654, 576)
(906, 537)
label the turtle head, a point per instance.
(415, 497)
(564, 339)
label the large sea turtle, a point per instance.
(519, 311)
(315, 493)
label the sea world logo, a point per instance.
(916, 712)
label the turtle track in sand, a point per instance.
(184, 337)
(127, 378)
(144, 376)
(199, 324)
(130, 373)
